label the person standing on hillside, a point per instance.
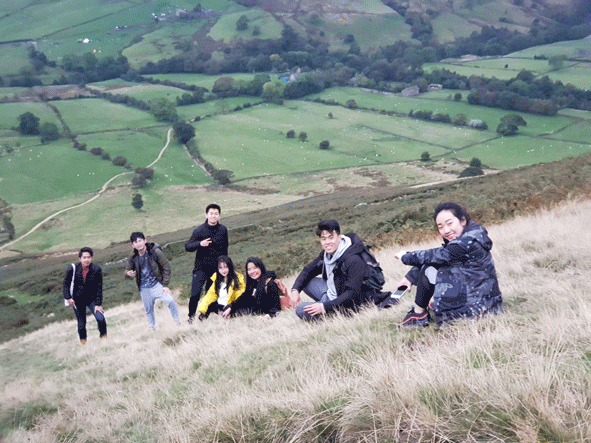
(209, 241)
(150, 267)
(83, 288)
(335, 278)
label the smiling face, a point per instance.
(450, 227)
(85, 259)
(253, 271)
(223, 269)
(330, 241)
(213, 216)
(140, 244)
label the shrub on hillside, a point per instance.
(119, 161)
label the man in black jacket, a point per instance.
(209, 241)
(342, 272)
(85, 292)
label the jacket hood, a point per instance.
(150, 246)
(355, 248)
(475, 232)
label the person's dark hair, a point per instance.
(232, 277)
(259, 284)
(135, 235)
(213, 206)
(328, 225)
(85, 249)
(458, 211)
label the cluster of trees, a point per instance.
(141, 177)
(29, 125)
(302, 135)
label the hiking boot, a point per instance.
(414, 319)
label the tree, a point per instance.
(163, 110)
(458, 97)
(49, 132)
(471, 171)
(9, 226)
(351, 104)
(557, 61)
(224, 86)
(183, 132)
(459, 120)
(475, 163)
(242, 23)
(514, 119)
(324, 144)
(137, 202)
(29, 124)
(139, 181)
(303, 136)
(119, 161)
(290, 133)
(425, 157)
(271, 92)
(507, 129)
(330, 115)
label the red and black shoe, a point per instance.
(414, 319)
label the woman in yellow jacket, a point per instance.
(227, 286)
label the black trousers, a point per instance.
(201, 278)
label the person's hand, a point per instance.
(399, 254)
(314, 309)
(294, 298)
(99, 309)
(226, 313)
(166, 289)
(130, 273)
(70, 301)
(264, 317)
(205, 243)
(404, 282)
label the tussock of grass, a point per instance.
(522, 376)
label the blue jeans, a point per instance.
(81, 317)
(316, 289)
(149, 297)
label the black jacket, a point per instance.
(349, 273)
(85, 292)
(157, 261)
(260, 297)
(207, 257)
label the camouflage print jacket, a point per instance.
(466, 285)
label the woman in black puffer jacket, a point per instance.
(459, 276)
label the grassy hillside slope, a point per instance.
(519, 377)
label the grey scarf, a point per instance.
(329, 264)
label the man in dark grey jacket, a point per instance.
(342, 272)
(148, 264)
(85, 292)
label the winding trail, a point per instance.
(99, 193)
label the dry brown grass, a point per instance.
(520, 377)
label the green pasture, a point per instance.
(536, 124)
(204, 81)
(513, 64)
(52, 171)
(492, 11)
(242, 141)
(214, 107)
(11, 91)
(114, 83)
(578, 75)
(160, 43)
(461, 69)
(9, 113)
(577, 132)
(225, 27)
(14, 58)
(577, 113)
(28, 21)
(370, 31)
(14, 140)
(580, 49)
(146, 92)
(448, 27)
(95, 115)
(512, 152)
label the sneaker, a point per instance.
(191, 320)
(414, 319)
(83, 341)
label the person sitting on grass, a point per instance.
(227, 286)
(334, 279)
(261, 296)
(459, 276)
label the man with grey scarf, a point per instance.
(335, 278)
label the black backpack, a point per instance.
(375, 276)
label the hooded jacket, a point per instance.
(466, 284)
(157, 261)
(85, 292)
(211, 297)
(349, 273)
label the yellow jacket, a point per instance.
(211, 296)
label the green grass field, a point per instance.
(572, 49)
(204, 81)
(449, 27)
(214, 107)
(9, 113)
(150, 92)
(225, 27)
(94, 115)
